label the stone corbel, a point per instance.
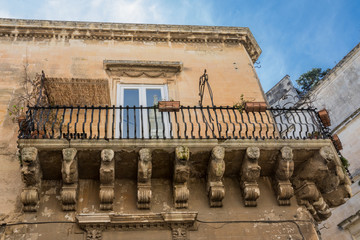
(320, 183)
(144, 179)
(181, 177)
(70, 179)
(216, 170)
(107, 179)
(249, 174)
(284, 170)
(31, 176)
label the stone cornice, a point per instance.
(63, 30)
(139, 68)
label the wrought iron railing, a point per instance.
(119, 122)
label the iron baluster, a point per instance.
(192, 125)
(91, 121)
(233, 132)
(148, 117)
(183, 118)
(127, 122)
(163, 124)
(77, 119)
(62, 121)
(300, 123)
(227, 126)
(197, 121)
(274, 126)
(177, 124)
(237, 122)
(113, 122)
(171, 127)
(212, 124)
(47, 119)
(156, 123)
(98, 125)
(83, 126)
(256, 121)
(68, 125)
(141, 122)
(54, 122)
(206, 124)
(120, 122)
(134, 122)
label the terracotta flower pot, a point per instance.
(255, 106)
(169, 106)
(21, 119)
(337, 142)
(324, 117)
(38, 134)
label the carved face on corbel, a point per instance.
(107, 155)
(218, 153)
(28, 155)
(253, 153)
(327, 154)
(145, 155)
(287, 153)
(69, 154)
(182, 154)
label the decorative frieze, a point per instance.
(31, 176)
(249, 174)
(144, 179)
(284, 170)
(70, 179)
(107, 179)
(178, 222)
(216, 169)
(181, 177)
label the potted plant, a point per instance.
(255, 106)
(169, 106)
(337, 142)
(324, 117)
(314, 135)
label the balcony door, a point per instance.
(137, 123)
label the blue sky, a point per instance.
(295, 36)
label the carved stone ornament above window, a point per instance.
(152, 69)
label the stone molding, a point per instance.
(151, 69)
(18, 29)
(177, 222)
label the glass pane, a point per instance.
(156, 125)
(131, 123)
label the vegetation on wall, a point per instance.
(309, 79)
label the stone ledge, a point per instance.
(44, 29)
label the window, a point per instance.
(134, 122)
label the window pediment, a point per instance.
(151, 69)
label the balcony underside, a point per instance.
(163, 154)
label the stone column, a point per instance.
(70, 179)
(215, 173)
(144, 179)
(107, 179)
(181, 176)
(249, 174)
(31, 176)
(284, 170)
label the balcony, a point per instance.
(186, 122)
(206, 147)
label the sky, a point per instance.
(294, 35)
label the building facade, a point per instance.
(102, 159)
(338, 94)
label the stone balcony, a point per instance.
(178, 167)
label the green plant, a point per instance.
(15, 112)
(344, 161)
(240, 105)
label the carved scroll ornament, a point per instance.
(107, 179)
(144, 179)
(31, 176)
(70, 178)
(216, 170)
(181, 176)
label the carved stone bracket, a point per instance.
(284, 171)
(249, 174)
(181, 177)
(31, 176)
(144, 179)
(320, 183)
(70, 179)
(216, 170)
(178, 222)
(107, 179)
